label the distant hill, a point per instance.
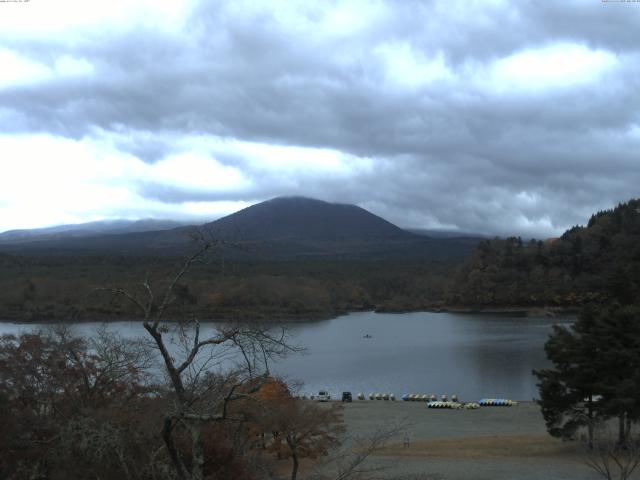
(305, 229)
(281, 229)
(60, 232)
(305, 219)
(596, 262)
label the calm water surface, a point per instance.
(473, 356)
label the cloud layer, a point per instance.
(496, 117)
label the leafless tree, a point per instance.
(201, 394)
(611, 459)
(104, 359)
(354, 461)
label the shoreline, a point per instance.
(310, 317)
(542, 311)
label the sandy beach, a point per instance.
(490, 443)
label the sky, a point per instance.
(495, 117)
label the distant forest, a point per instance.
(597, 263)
(58, 288)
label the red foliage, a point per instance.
(60, 400)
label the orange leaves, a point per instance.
(274, 391)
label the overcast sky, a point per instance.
(499, 117)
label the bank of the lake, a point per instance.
(515, 310)
(277, 316)
(496, 443)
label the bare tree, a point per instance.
(103, 360)
(200, 396)
(611, 459)
(354, 460)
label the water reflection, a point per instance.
(471, 355)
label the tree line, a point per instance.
(596, 263)
(50, 289)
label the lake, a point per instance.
(471, 355)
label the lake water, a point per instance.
(471, 355)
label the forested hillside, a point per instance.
(64, 288)
(594, 263)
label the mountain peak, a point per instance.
(283, 228)
(306, 218)
(292, 199)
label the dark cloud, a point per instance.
(458, 150)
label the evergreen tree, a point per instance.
(617, 329)
(596, 372)
(568, 392)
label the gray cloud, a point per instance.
(447, 152)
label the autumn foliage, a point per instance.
(72, 408)
(293, 428)
(76, 408)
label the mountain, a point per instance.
(300, 228)
(87, 229)
(305, 218)
(281, 229)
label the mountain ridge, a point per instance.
(283, 228)
(305, 218)
(88, 229)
